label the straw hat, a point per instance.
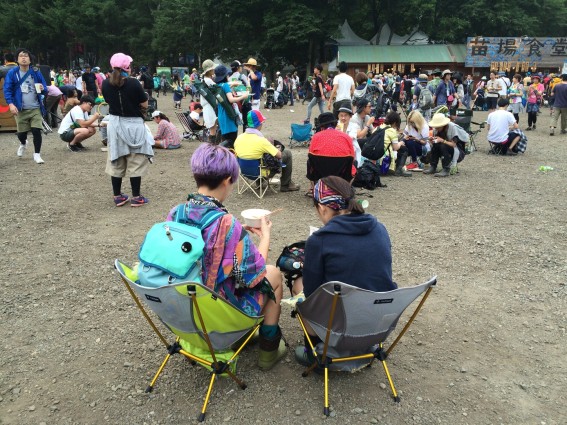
(208, 65)
(438, 121)
(251, 62)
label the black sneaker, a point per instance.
(73, 148)
(79, 146)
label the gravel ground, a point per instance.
(488, 348)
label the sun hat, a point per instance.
(422, 78)
(156, 114)
(439, 120)
(120, 60)
(221, 72)
(447, 71)
(345, 109)
(326, 118)
(483, 77)
(251, 62)
(194, 70)
(255, 119)
(208, 65)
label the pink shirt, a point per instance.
(168, 134)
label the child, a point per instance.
(177, 95)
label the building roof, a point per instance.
(430, 53)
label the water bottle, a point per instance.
(290, 264)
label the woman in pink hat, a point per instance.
(129, 142)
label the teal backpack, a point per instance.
(172, 251)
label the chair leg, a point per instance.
(207, 397)
(326, 407)
(391, 382)
(158, 373)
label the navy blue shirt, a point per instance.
(353, 249)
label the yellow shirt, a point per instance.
(253, 146)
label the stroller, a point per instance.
(152, 106)
(300, 135)
(270, 99)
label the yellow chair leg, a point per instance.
(158, 373)
(394, 392)
(207, 397)
(326, 408)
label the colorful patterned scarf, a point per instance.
(324, 195)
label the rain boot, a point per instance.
(445, 172)
(431, 170)
(272, 350)
(400, 162)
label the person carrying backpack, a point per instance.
(423, 97)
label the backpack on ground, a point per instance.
(367, 176)
(374, 147)
(425, 100)
(172, 251)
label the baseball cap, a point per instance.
(156, 114)
(120, 60)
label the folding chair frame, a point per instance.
(188, 132)
(217, 367)
(259, 186)
(322, 361)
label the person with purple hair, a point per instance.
(234, 267)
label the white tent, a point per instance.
(415, 37)
(348, 37)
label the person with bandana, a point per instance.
(351, 247)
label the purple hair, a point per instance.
(211, 164)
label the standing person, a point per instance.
(264, 84)
(318, 98)
(469, 88)
(480, 94)
(423, 96)
(343, 89)
(147, 81)
(228, 127)
(291, 88)
(90, 83)
(157, 81)
(560, 107)
(255, 77)
(23, 87)
(209, 114)
(408, 86)
(100, 77)
(54, 95)
(445, 92)
(515, 93)
(129, 143)
(79, 84)
(186, 84)
(163, 84)
(535, 91)
(493, 88)
(279, 86)
(436, 80)
(297, 85)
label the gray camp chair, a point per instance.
(209, 330)
(353, 324)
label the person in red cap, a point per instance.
(253, 145)
(129, 143)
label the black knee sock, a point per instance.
(22, 137)
(314, 339)
(135, 182)
(517, 116)
(116, 185)
(36, 139)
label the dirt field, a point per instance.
(488, 348)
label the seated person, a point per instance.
(345, 125)
(362, 121)
(77, 126)
(500, 126)
(253, 145)
(236, 268)
(392, 124)
(331, 152)
(416, 138)
(448, 141)
(195, 118)
(345, 224)
(167, 136)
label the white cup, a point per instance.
(38, 88)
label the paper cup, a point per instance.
(253, 217)
(38, 88)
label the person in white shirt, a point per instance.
(500, 122)
(343, 89)
(279, 87)
(79, 85)
(347, 126)
(504, 84)
(195, 117)
(362, 121)
(77, 126)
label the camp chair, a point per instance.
(188, 131)
(300, 134)
(322, 166)
(354, 323)
(205, 324)
(254, 175)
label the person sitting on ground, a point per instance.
(416, 138)
(448, 141)
(500, 123)
(331, 152)
(392, 142)
(167, 136)
(253, 145)
(235, 268)
(196, 121)
(77, 126)
(345, 224)
(362, 121)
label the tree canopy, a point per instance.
(275, 32)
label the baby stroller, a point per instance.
(300, 135)
(270, 99)
(152, 106)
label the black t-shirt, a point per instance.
(148, 81)
(90, 81)
(124, 101)
(408, 84)
(318, 80)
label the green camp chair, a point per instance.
(353, 324)
(205, 324)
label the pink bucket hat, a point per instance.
(120, 60)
